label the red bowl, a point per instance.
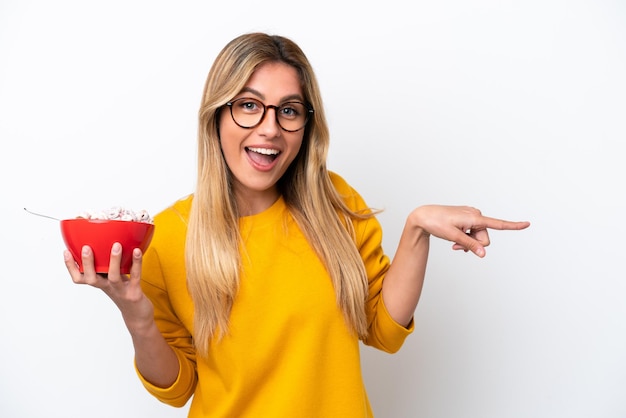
(100, 235)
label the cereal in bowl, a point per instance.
(118, 213)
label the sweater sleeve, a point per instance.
(384, 333)
(156, 270)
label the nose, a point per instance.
(269, 124)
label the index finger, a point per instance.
(503, 225)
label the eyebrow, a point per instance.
(262, 96)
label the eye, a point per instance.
(292, 110)
(249, 105)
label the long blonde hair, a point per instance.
(213, 259)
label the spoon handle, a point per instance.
(43, 216)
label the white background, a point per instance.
(517, 108)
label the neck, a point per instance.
(251, 203)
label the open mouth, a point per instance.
(262, 156)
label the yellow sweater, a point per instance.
(289, 352)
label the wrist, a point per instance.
(141, 327)
(142, 330)
(417, 222)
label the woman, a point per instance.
(257, 289)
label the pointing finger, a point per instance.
(503, 225)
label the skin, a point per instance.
(155, 359)
(254, 185)
(465, 226)
(255, 190)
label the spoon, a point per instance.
(43, 216)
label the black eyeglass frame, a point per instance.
(276, 109)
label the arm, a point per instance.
(154, 358)
(466, 227)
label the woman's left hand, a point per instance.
(465, 226)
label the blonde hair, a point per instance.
(213, 258)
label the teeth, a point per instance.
(265, 151)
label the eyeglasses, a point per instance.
(290, 116)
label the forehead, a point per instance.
(274, 80)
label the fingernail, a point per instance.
(85, 250)
(67, 256)
(117, 248)
(137, 253)
(480, 252)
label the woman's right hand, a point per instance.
(124, 290)
(154, 358)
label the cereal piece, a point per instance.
(144, 216)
